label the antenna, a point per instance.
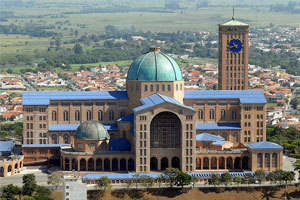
(232, 13)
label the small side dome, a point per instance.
(154, 66)
(91, 130)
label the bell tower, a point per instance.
(233, 55)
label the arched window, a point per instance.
(212, 114)
(66, 116)
(274, 160)
(233, 115)
(66, 139)
(53, 115)
(151, 88)
(200, 114)
(223, 115)
(122, 114)
(89, 115)
(146, 88)
(259, 160)
(100, 115)
(267, 160)
(54, 139)
(111, 115)
(77, 115)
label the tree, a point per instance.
(146, 180)
(42, 192)
(29, 198)
(194, 180)
(77, 49)
(183, 179)
(104, 183)
(170, 175)
(260, 175)
(215, 179)
(271, 177)
(237, 179)
(226, 178)
(297, 167)
(54, 180)
(29, 184)
(10, 191)
(136, 178)
(159, 179)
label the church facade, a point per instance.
(153, 125)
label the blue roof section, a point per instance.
(218, 126)
(43, 98)
(73, 127)
(264, 145)
(156, 99)
(63, 127)
(218, 143)
(45, 145)
(127, 118)
(156, 175)
(245, 96)
(131, 132)
(119, 144)
(119, 175)
(208, 137)
(111, 127)
(6, 145)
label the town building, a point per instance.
(154, 124)
(10, 163)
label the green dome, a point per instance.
(154, 66)
(91, 130)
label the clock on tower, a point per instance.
(233, 56)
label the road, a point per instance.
(41, 177)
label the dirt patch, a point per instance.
(57, 195)
(203, 194)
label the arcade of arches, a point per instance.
(97, 164)
(164, 163)
(223, 163)
(11, 167)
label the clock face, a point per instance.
(235, 45)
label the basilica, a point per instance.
(156, 124)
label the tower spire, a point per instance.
(232, 13)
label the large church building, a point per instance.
(155, 123)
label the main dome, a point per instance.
(91, 130)
(154, 66)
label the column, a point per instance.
(225, 163)
(95, 166)
(217, 163)
(270, 162)
(70, 164)
(241, 163)
(87, 164)
(63, 164)
(158, 163)
(78, 164)
(201, 163)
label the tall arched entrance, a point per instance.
(165, 131)
(153, 164)
(164, 163)
(165, 134)
(175, 163)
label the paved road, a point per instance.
(41, 177)
(288, 165)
